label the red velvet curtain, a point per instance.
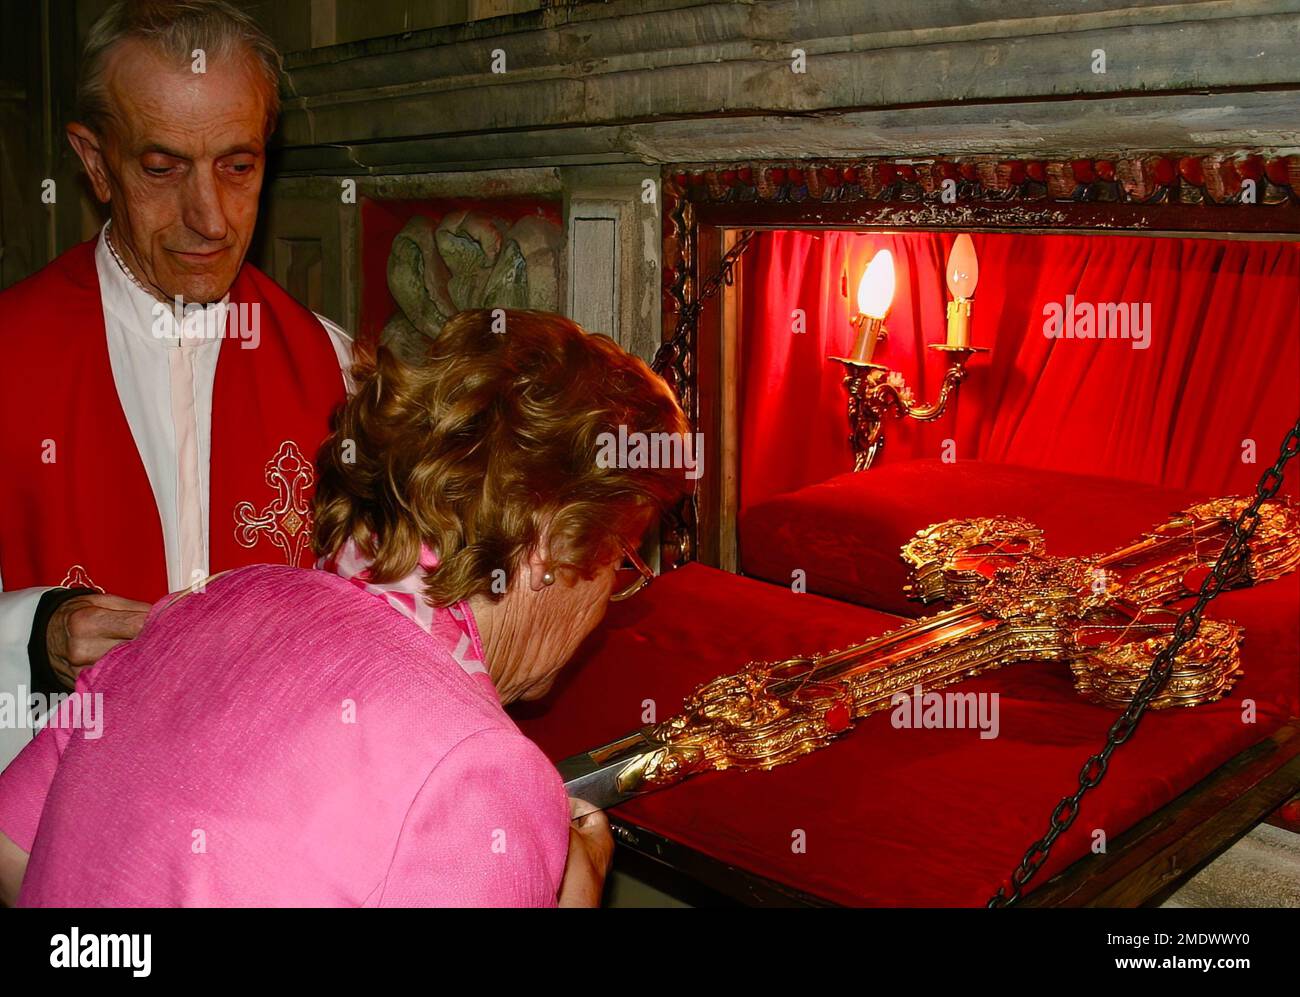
(1222, 367)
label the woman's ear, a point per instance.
(538, 564)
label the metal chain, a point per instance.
(1231, 562)
(711, 285)
(724, 275)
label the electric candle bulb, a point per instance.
(963, 268)
(963, 275)
(875, 295)
(876, 290)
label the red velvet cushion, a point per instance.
(895, 816)
(846, 532)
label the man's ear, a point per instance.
(86, 145)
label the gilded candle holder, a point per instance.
(875, 392)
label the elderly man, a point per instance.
(169, 396)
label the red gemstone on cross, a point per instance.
(838, 718)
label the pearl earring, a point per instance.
(548, 578)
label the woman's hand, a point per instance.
(591, 850)
(13, 866)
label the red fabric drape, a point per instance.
(1223, 365)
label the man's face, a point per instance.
(181, 167)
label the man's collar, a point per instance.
(121, 263)
(136, 308)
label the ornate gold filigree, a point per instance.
(1096, 613)
(763, 716)
(1206, 669)
(875, 392)
(950, 560)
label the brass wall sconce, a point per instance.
(876, 392)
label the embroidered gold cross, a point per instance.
(286, 520)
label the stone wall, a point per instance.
(610, 92)
(676, 81)
(590, 100)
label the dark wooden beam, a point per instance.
(1287, 816)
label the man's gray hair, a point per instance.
(175, 28)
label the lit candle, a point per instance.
(963, 275)
(875, 295)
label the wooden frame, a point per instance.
(1229, 194)
(1235, 193)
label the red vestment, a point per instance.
(76, 506)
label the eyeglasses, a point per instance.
(632, 562)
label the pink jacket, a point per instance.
(286, 738)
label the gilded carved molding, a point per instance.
(1135, 179)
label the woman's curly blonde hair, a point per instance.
(490, 440)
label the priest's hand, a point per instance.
(84, 629)
(591, 851)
